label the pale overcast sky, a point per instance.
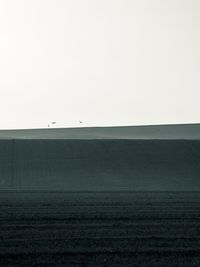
(104, 62)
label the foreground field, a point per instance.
(100, 229)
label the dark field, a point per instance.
(99, 202)
(100, 229)
(100, 165)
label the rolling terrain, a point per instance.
(169, 131)
(100, 165)
(100, 197)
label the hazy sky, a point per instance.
(105, 62)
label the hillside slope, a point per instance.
(99, 165)
(176, 131)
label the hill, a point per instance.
(176, 131)
(99, 165)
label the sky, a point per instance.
(101, 62)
